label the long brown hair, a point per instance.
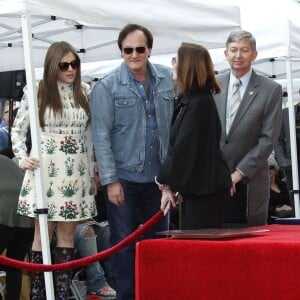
(48, 94)
(195, 68)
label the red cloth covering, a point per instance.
(263, 266)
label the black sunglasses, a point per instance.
(271, 167)
(139, 50)
(64, 66)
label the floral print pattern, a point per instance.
(67, 157)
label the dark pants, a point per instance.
(142, 201)
(17, 242)
(203, 212)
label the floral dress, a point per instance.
(66, 151)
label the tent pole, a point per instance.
(36, 151)
(292, 135)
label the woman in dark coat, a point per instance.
(195, 166)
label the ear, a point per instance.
(254, 55)
(225, 53)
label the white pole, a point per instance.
(36, 151)
(292, 135)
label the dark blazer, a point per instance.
(252, 137)
(195, 164)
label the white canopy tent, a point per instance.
(93, 26)
(28, 27)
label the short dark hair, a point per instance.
(131, 28)
(239, 35)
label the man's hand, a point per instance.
(115, 193)
(236, 177)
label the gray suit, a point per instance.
(251, 138)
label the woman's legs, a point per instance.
(37, 281)
(64, 252)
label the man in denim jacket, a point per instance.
(131, 113)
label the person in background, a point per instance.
(4, 121)
(66, 152)
(131, 113)
(283, 147)
(249, 107)
(195, 166)
(279, 203)
(86, 245)
(16, 232)
(4, 137)
(5, 141)
(92, 236)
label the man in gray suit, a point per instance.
(248, 139)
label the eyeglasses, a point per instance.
(139, 50)
(64, 66)
(271, 167)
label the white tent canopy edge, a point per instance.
(92, 27)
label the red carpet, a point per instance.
(261, 267)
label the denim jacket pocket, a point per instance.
(125, 110)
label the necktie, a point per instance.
(235, 100)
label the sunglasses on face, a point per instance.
(271, 167)
(139, 50)
(64, 66)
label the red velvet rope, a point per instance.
(74, 264)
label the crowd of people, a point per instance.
(144, 137)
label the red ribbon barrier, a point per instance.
(78, 263)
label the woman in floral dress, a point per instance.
(66, 152)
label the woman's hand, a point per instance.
(31, 163)
(167, 199)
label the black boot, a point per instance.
(62, 279)
(37, 281)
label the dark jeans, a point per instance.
(17, 242)
(142, 201)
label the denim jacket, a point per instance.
(119, 120)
